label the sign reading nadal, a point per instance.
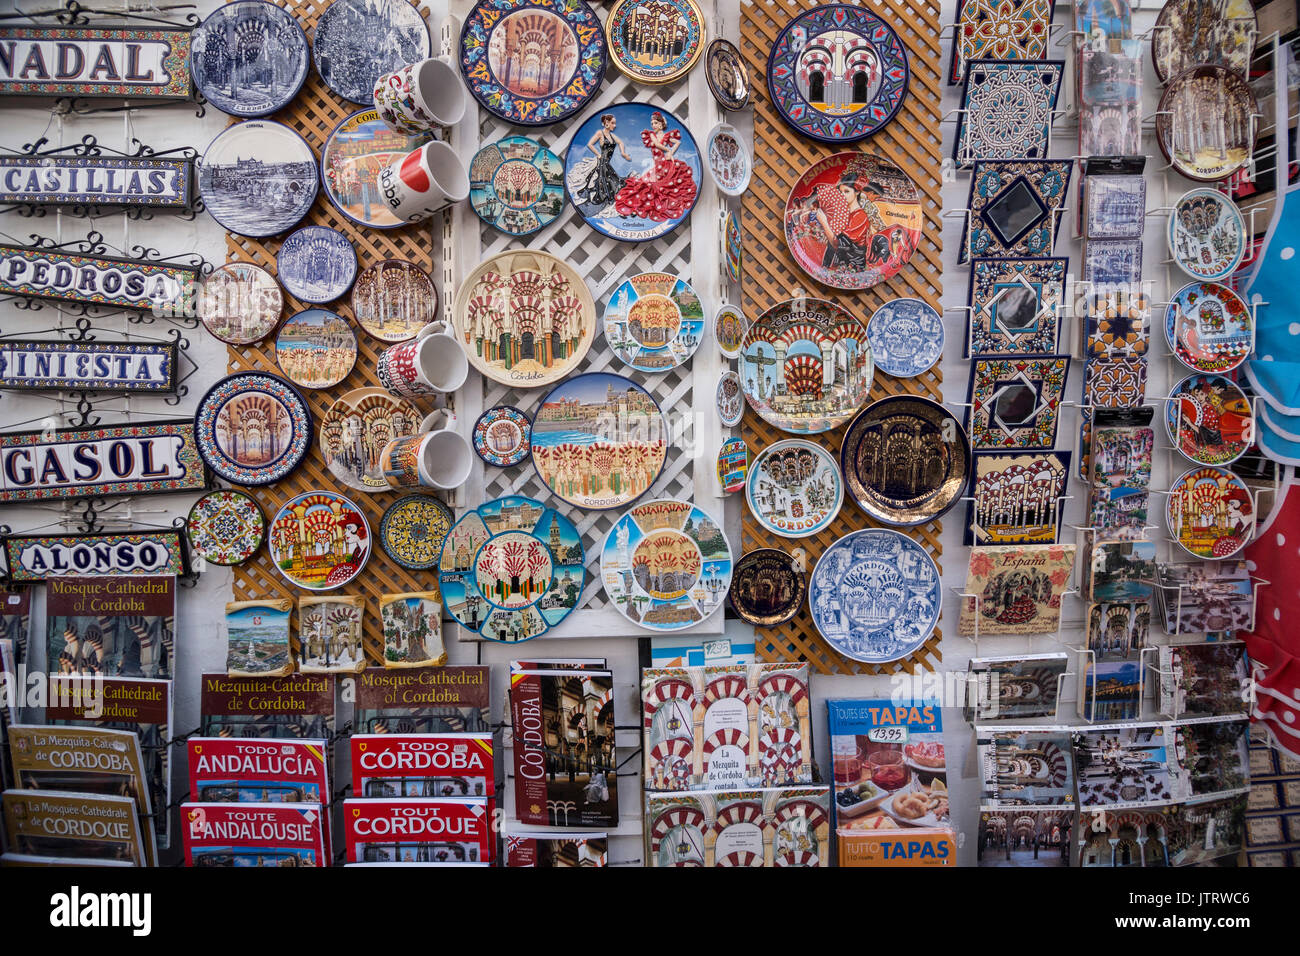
(92, 366)
(47, 180)
(113, 553)
(96, 280)
(89, 62)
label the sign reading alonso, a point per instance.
(33, 557)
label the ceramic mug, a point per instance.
(424, 181)
(438, 457)
(432, 363)
(420, 97)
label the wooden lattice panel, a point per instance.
(912, 141)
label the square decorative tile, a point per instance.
(1113, 262)
(1007, 109)
(1017, 497)
(1116, 207)
(1114, 382)
(999, 29)
(1015, 207)
(1015, 305)
(1016, 400)
(1117, 327)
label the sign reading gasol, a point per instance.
(95, 62)
(96, 280)
(88, 366)
(118, 181)
(33, 557)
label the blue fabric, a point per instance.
(1276, 447)
(1276, 383)
(1277, 332)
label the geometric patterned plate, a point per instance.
(253, 428)
(225, 527)
(413, 529)
(1007, 109)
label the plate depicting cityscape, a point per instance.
(516, 185)
(258, 178)
(654, 321)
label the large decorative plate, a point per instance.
(258, 178)
(633, 172)
(1208, 327)
(253, 428)
(249, 58)
(729, 324)
(1204, 124)
(240, 303)
(413, 529)
(1192, 33)
(729, 163)
(1006, 109)
(1015, 304)
(516, 185)
(358, 149)
(906, 460)
(654, 322)
(503, 436)
(727, 75)
(355, 430)
(1016, 400)
(1015, 207)
(767, 588)
(511, 569)
(599, 441)
(655, 41)
(906, 337)
(320, 540)
(666, 565)
(875, 595)
(358, 41)
(393, 300)
(806, 366)
(316, 348)
(1207, 235)
(837, 73)
(525, 318)
(794, 488)
(1210, 512)
(1208, 419)
(225, 527)
(316, 264)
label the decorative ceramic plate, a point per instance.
(666, 565)
(729, 162)
(654, 321)
(733, 464)
(525, 318)
(806, 366)
(502, 436)
(393, 300)
(1192, 33)
(633, 172)
(1204, 124)
(320, 540)
(875, 595)
(240, 303)
(516, 185)
(355, 430)
(1015, 304)
(258, 178)
(1006, 110)
(249, 58)
(540, 62)
(356, 152)
(727, 75)
(794, 488)
(733, 244)
(853, 220)
(1209, 420)
(225, 527)
(1207, 235)
(766, 587)
(599, 441)
(655, 41)
(1208, 327)
(906, 460)
(511, 569)
(358, 41)
(729, 326)
(316, 348)
(837, 73)
(316, 264)
(906, 337)
(253, 428)
(1210, 512)
(729, 398)
(1015, 207)
(413, 529)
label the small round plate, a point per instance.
(1208, 419)
(320, 540)
(356, 152)
(729, 397)
(316, 348)
(727, 75)
(729, 326)
(413, 529)
(240, 303)
(1210, 513)
(1208, 327)
(316, 264)
(225, 527)
(1207, 235)
(1190, 33)
(729, 162)
(502, 436)
(794, 488)
(655, 41)
(393, 300)
(733, 245)
(253, 428)
(1203, 124)
(516, 185)
(355, 430)
(249, 58)
(654, 322)
(733, 464)
(258, 178)
(767, 588)
(906, 337)
(358, 41)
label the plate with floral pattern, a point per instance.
(225, 527)
(253, 428)
(413, 529)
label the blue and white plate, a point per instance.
(258, 178)
(358, 41)
(654, 321)
(516, 185)
(316, 264)
(249, 58)
(794, 488)
(253, 428)
(906, 337)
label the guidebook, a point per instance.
(73, 826)
(543, 848)
(778, 826)
(418, 830)
(422, 700)
(300, 705)
(423, 765)
(253, 834)
(115, 626)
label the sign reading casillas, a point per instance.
(34, 557)
(95, 62)
(118, 181)
(88, 366)
(100, 462)
(97, 280)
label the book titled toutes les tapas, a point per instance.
(253, 834)
(418, 830)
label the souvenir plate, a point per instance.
(240, 303)
(733, 245)
(1210, 512)
(733, 464)
(1192, 33)
(413, 529)
(540, 63)
(729, 162)
(249, 58)
(767, 588)
(727, 75)
(225, 527)
(1016, 400)
(1204, 124)
(258, 178)
(355, 430)
(729, 326)
(358, 41)
(1209, 327)
(728, 398)
(393, 300)
(875, 595)
(1000, 29)
(316, 264)
(1007, 109)
(1207, 235)
(1209, 420)
(806, 366)
(516, 185)
(906, 337)
(837, 73)
(1015, 305)
(502, 436)
(319, 540)
(599, 441)
(253, 428)
(525, 318)
(356, 152)
(655, 41)
(666, 565)
(633, 172)
(853, 220)
(794, 488)
(316, 348)
(654, 321)
(1017, 498)
(1015, 207)
(511, 569)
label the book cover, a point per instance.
(418, 830)
(329, 634)
(1014, 687)
(1024, 767)
(560, 664)
(253, 834)
(1203, 680)
(300, 705)
(115, 626)
(412, 626)
(1015, 589)
(257, 639)
(73, 826)
(690, 650)
(780, 826)
(423, 700)
(26, 859)
(539, 848)
(1026, 836)
(423, 765)
(225, 770)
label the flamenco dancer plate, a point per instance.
(853, 220)
(766, 587)
(906, 337)
(654, 322)
(633, 172)
(727, 75)
(502, 436)
(225, 527)
(1210, 512)
(249, 78)
(655, 41)
(358, 41)
(516, 185)
(320, 540)
(357, 151)
(1207, 235)
(1208, 418)
(253, 428)
(355, 430)
(794, 488)
(413, 529)
(1208, 327)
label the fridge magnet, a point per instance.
(654, 321)
(1210, 512)
(999, 29)
(729, 398)
(355, 430)
(1015, 207)
(729, 162)
(329, 634)
(729, 325)
(655, 41)
(249, 58)
(240, 303)
(906, 337)
(358, 41)
(1209, 328)
(1114, 382)
(1120, 457)
(767, 587)
(412, 625)
(733, 464)
(1016, 400)
(258, 178)
(1208, 419)
(1207, 234)
(516, 185)
(316, 348)
(393, 300)
(319, 540)
(1192, 33)
(727, 75)
(1015, 304)
(1108, 263)
(1207, 123)
(1116, 325)
(1116, 207)
(358, 149)
(413, 529)
(1018, 498)
(502, 436)
(257, 639)
(316, 264)
(794, 488)
(1006, 109)
(253, 428)
(225, 527)
(1015, 589)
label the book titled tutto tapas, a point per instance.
(418, 830)
(253, 834)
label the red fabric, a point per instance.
(665, 192)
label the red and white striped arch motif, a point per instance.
(783, 684)
(814, 814)
(804, 332)
(670, 819)
(1133, 819)
(744, 858)
(727, 737)
(728, 685)
(669, 688)
(669, 760)
(781, 751)
(742, 811)
(760, 333)
(798, 858)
